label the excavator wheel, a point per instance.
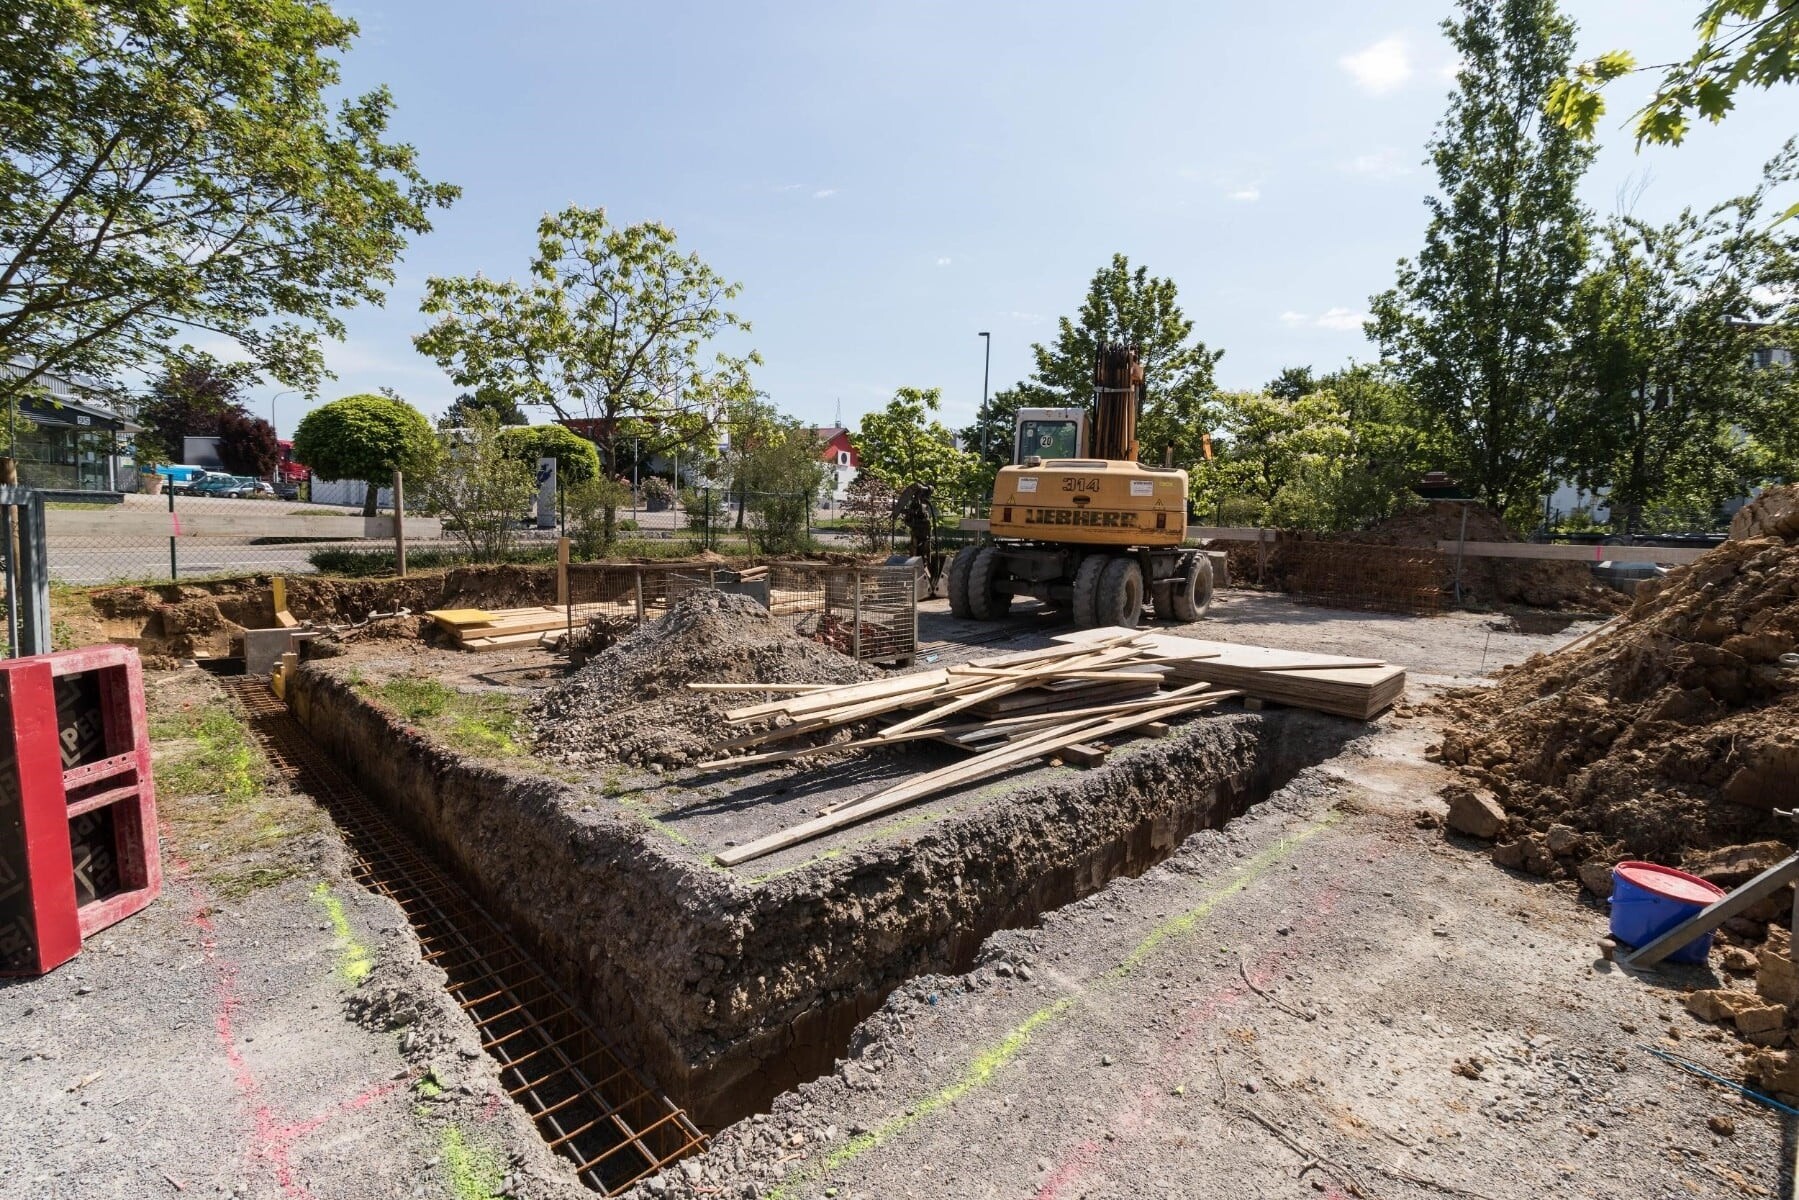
(1191, 594)
(985, 603)
(1121, 593)
(1086, 590)
(959, 568)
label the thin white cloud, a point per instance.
(1381, 67)
(1246, 194)
(1339, 319)
(1385, 163)
(824, 193)
(944, 260)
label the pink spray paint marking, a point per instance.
(271, 1141)
(1135, 1115)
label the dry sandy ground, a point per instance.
(1326, 999)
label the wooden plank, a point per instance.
(455, 618)
(759, 687)
(977, 768)
(1562, 553)
(1351, 664)
(920, 681)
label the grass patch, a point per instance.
(490, 725)
(475, 1171)
(218, 758)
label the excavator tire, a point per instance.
(1121, 593)
(1086, 590)
(1192, 591)
(985, 603)
(959, 568)
(1163, 599)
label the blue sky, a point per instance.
(887, 179)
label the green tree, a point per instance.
(366, 437)
(782, 472)
(904, 444)
(995, 431)
(479, 486)
(176, 166)
(750, 422)
(1475, 325)
(611, 326)
(1292, 383)
(1742, 43)
(1268, 444)
(1129, 305)
(576, 459)
(463, 409)
(1667, 324)
(188, 398)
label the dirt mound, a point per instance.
(1494, 581)
(1672, 733)
(631, 703)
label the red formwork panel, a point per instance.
(80, 765)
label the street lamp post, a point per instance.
(986, 365)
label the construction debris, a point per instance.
(1359, 688)
(1010, 711)
(509, 628)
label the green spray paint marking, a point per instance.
(988, 1063)
(475, 1172)
(355, 963)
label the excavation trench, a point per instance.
(726, 988)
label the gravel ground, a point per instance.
(258, 1041)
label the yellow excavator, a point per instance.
(1097, 534)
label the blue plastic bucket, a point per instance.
(1648, 900)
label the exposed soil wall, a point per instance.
(727, 991)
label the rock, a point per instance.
(1767, 1037)
(1719, 1004)
(1596, 877)
(1509, 854)
(1732, 866)
(1774, 1070)
(1722, 1126)
(1564, 840)
(1737, 960)
(1761, 1018)
(1775, 976)
(1475, 813)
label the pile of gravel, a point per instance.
(630, 703)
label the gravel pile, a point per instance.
(630, 703)
(1670, 736)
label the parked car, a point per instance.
(217, 484)
(181, 478)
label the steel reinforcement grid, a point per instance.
(589, 1106)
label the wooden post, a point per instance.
(1261, 555)
(400, 524)
(1461, 545)
(856, 634)
(637, 586)
(562, 572)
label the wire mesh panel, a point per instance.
(866, 612)
(1386, 578)
(635, 591)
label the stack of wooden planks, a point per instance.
(510, 628)
(1009, 711)
(1359, 688)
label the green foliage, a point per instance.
(576, 459)
(1742, 43)
(1292, 383)
(1267, 444)
(904, 444)
(476, 1172)
(486, 723)
(782, 474)
(463, 408)
(585, 507)
(1475, 326)
(345, 563)
(480, 486)
(611, 326)
(996, 430)
(1665, 327)
(176, 166)
(1131, 306)
(365, 437)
